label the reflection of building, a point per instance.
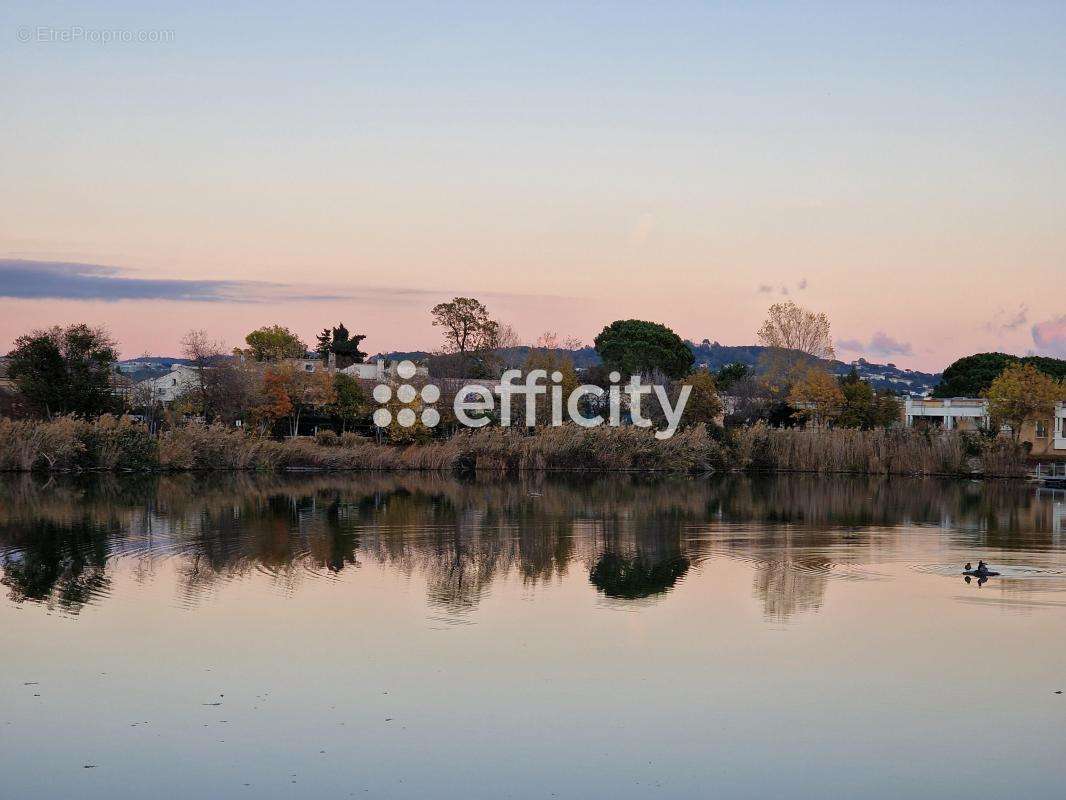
(787, 587)
(1056, 499)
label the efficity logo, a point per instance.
(475, 405)
(406, 395)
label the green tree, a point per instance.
(274, 343)
(325, 343)
(634, 347)
(973, 375)
(730, 375)
(65, 370)
(341, 344)
(468, 329)
(350, 403)
(703, 406)
(887, 410)
(1054, 367)
(863, 406)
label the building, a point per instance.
(311, 364)
(378, 371)
(962, 413)
(169, 387)
(1046, 437)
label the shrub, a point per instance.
(117, 443)
(327, 438)
(351, 439)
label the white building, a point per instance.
(948, 413)
(377, 371)
(1046, 437)
(370, 371)
(1060, 427)
(168, 388)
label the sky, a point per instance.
(898, 166)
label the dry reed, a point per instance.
(118, 443)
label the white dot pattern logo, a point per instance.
(406, 394)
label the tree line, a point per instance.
(70, 370)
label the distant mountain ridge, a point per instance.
(714, 356)
(711, 355)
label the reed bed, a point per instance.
(68, 444)
(896, 451)
(112, 443)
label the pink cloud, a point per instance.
(1050, 335)
(880, 344)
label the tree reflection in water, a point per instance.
(641, 556)
(636, 576)
(59, 564)
(636, 537)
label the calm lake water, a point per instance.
(415, 637)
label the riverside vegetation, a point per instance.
(119, 443)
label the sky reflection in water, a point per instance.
(413, 636)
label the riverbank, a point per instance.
(121, 444)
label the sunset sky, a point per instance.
(899, 166)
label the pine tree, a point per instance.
(325, 344)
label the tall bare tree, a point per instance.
(205, 355)
(794, 337)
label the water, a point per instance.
(413, 637)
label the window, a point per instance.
(309, 367)
(1041, 429)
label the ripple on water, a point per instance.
(814, 565)
(1006, 571)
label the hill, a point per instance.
(714, 356)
